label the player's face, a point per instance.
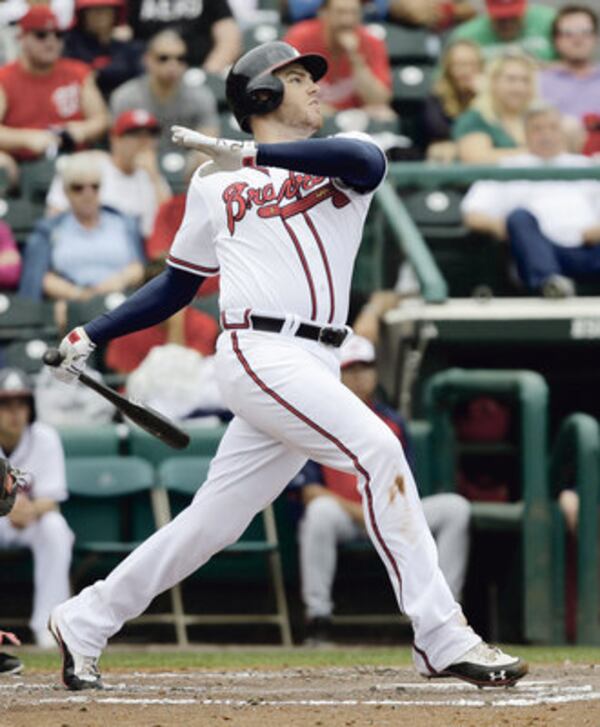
(361, 379)
(300, 108)
(14, 418)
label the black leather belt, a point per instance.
(327, 334)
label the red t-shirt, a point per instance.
(337, 86)
(42, 101)
(166, 224)
(126, 353)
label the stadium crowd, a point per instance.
(93, 189)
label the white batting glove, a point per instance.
(227, 154)
(75, 348)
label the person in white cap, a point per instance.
(333, 513)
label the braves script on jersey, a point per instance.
(278, 239)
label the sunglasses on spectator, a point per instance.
(43, 34)
(166, 57)
(78, 187)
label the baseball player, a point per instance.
(280, 219)
(34, 520)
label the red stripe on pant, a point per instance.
(313, 425)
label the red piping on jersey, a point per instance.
(192, 266)
(425, 658)
(236, 326)
(321, 247)
(311, 285)
(334, 440)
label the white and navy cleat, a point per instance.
(78, 671)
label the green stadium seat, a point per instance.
(180, 478)
(260, 33)
(35, 179)
(20, 215)
(436, 212)
(357, 120)
(109, 508)
(21, 318)
(203, 443)
(26, 355)
(406, 44)
(173, 168)
(410, 84)
(95, 440)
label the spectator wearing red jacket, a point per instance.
(47, 103)
(359, 70)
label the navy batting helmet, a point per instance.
(251, 86)
(15, 383)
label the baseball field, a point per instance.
(264, 687)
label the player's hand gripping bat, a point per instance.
(146, 417)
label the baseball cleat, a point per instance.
(483, 665)
(78, 671)
(10, 664)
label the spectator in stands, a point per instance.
(131, 181)
(9, 664)
(511, 23)
(92, 41)
(453, 91)
(11, 11)
(35, 521)
(90, 250)
(209, 29)
(572, 84)
(164, 92)
(189, 327)
(10, 260)
(493, 129)
(553, 227)
(333, 513)
(435, 14)
(47, 103)
(359, 71)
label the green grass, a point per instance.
(229, 657)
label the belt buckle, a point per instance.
(332, 336)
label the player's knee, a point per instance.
(458, 509)
(320, 514)
(54, 533)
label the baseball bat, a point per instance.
(144, 416)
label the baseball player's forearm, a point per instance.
(357, 163)
(153, 303)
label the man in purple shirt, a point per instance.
(572, 84)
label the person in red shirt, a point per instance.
(359, 70)
(47, 103)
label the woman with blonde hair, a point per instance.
(462, 64)
(493, 128)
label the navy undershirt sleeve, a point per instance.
(153, 303)
(359, 164)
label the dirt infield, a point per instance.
(568, 695)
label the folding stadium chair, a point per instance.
(26, 355)
(406, 44)
(110, 509)
(203, 443)
(20, 215)
(96, 440)
(36, 178)
(180, 478)
(21, 318)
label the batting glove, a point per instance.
(75, 348)
(227, 154)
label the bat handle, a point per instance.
(53, 357)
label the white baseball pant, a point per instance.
(325, 524)
(289, 405)
(51, 542)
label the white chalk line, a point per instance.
(536, 701)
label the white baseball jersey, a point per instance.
(275, 237)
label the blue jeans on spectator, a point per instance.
(538, 257)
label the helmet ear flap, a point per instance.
(265, 94)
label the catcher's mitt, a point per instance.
(10, 481)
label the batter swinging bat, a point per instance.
(147, 418)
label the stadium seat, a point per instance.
(410, 83)
(173, 168)
(35, 180)
(21, 318)
(216, 83)
(406, 44)
(260, 33)
(529, 515)
(180, 477)
(20, 215)
(26, 355)
(109, 509)
(95, 440)
(203, 443)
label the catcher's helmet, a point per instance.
(16, 383)
(251, 86)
